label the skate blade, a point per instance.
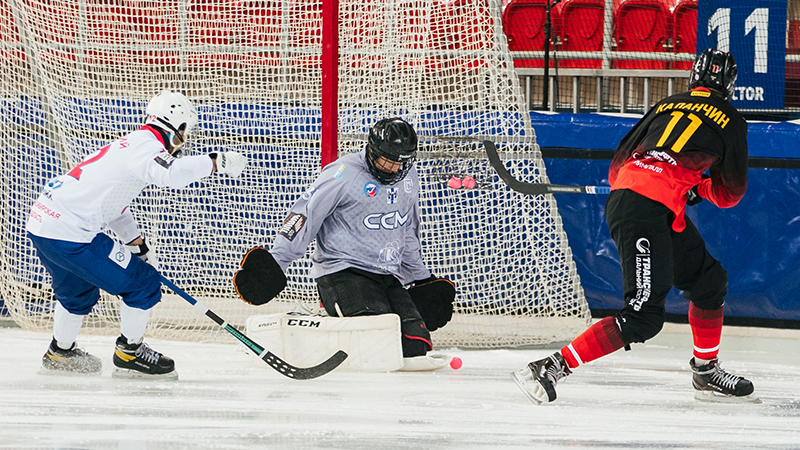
(129, 374)
(66, 373)
(426, 363)
(715, 397)
(531, 388)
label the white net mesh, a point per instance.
(77, 74)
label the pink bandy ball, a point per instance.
(454, 183)
(456, 363)
(468, 182)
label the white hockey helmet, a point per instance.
(172, 111)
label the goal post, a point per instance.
(77, 74)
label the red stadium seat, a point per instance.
(792, 87)
(9, 33)
(471, 28)
(642, 26)
(464, 25)
(684, 35)
(360, 27)
(260, 27)
(210, 27)
(582, 30)
(523, 24)
(305, 23)
(419, 28)
(132, 23)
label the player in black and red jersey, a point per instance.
(657, 170)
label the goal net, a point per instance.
(78, 73)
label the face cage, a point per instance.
(387, 178)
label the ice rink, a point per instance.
(642, 399)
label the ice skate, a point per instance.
(425, 363)
(538, 379)
(75, 361)
(714, 384)
(142, 362)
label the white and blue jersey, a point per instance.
(357, 222)
(66, 222)
(96, 193)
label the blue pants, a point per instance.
(80, 270)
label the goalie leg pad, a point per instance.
(260, 279)
(354, 292)
(434, 300)
(372, 343)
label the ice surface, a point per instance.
(640, 399)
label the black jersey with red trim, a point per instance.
(682, 136)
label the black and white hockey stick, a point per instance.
(286, 369)
(535, 188)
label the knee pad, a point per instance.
(416, 338)
(710, 289)
(80, 304)
(147, 294)
(639, 326)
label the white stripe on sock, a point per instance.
(706, 350)
(575, 354)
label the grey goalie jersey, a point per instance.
(357, 221)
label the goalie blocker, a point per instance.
(260, 279)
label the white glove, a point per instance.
(231, 163)
(144, 253)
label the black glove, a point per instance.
(261, 278)
(434, 300)
(693, 197)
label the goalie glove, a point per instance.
(434, 299)
(260, 279)
(230, 163)
(143, 252)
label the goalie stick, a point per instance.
(284, 368)
(535, 188)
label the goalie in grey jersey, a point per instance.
(363, 211)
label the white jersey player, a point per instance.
(66, 227)
(363, 211)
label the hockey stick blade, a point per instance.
(281, 366)
(535, 188)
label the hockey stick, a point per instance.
(276, 363)
(535, 188)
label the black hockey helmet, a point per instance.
(395, 140)
(716, 70)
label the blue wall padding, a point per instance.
(758, 241)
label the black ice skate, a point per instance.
(141, 361)
(538, 379)
(74, 361)
(714, 384)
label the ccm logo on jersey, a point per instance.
(388, 221)
(292, 225)
(164, 159)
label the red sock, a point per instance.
(706, 325)
(599, 340)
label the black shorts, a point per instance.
(654, 258)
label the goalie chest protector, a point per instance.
(372, 342)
